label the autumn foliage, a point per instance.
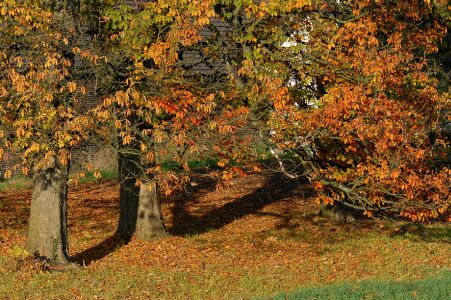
(38, 88)
(374, 133)
(162, 110)
(344, 90)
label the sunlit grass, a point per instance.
(436, 288)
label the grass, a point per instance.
(254, 239)
(432, 288)
(105, 175)
(16, 182)
(23, 182)
(170, 165)
(115, 279)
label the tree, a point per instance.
(366, 142)
(343, 89)
(38, 122)
(153, 97)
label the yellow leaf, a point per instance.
(8, 174)
(71, 86)
(25, 170)
(97, 174)
(212, 125)
(20, 132)
(35, 147)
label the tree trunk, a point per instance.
(337, 213)
(140, 208)
(47, 233)
(129, 193)
(149, 224)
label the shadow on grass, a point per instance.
(275, 188)
(421, 232)
(99, 251)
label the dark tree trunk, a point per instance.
(129, 193)
(337, 213)
(140, 207)
(47, 233)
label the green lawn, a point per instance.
(436, 288)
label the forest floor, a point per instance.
(259, 237)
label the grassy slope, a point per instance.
(256, 238)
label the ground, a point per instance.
(256, 238)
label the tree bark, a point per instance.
(149, 224)
(140, 207)
(128, 201)
(337, 213)
(47, 233)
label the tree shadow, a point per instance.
(420, 232)
(275, 188)
(86, 257)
